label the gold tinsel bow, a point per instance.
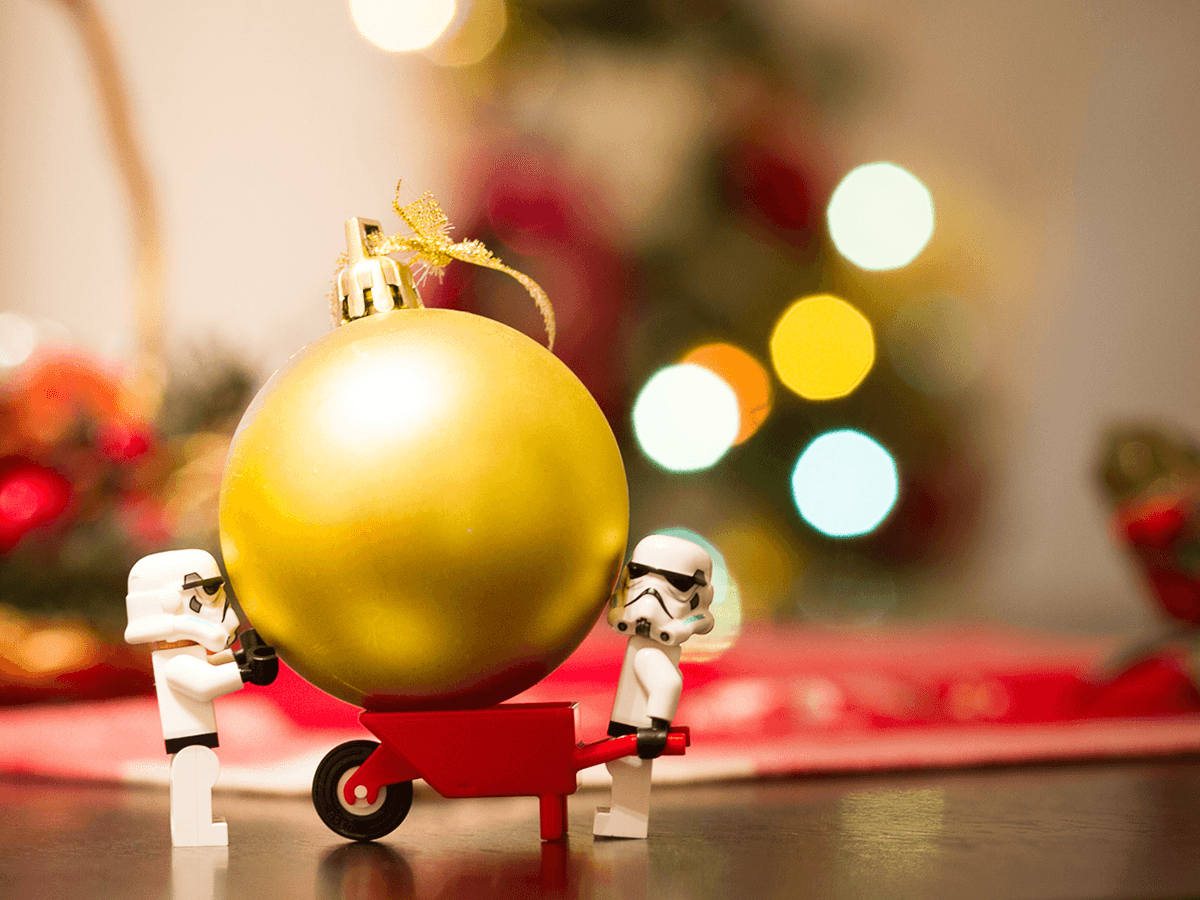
(431, 246)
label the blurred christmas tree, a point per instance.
(88, 486)
(665, 170)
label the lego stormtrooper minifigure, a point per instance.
(177, 602)
(664, 597)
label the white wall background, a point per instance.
(1080, 121)
(266, 123)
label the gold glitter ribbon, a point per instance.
(431, 246)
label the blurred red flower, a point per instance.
(30, 495)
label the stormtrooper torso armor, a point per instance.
(650, 683)
(186, 684)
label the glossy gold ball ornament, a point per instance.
(423, 509)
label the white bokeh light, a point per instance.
(685, 418)
(402, 26)
(845, 483)
(880, 216)
(18, 337)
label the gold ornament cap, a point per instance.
(433, 250)
(369, 284)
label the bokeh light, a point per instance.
(685, 418)
(30, 495)
(938, 345)
(483, 26)
(822, 347)
(880, 216)
(748, 378)
(845, 483)
(757, 540)
(18, 337)
(401, 26)
(726, 605)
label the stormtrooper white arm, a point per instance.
(661, 682)
(199, 680)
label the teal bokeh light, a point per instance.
(845, 483)
(726, 605)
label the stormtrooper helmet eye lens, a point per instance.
(210, 586)
(679, 582)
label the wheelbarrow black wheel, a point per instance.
(361, 821)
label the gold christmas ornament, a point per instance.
(424, 508)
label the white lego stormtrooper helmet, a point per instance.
(179, 595)
(666, 591)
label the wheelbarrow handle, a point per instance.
(608, 749)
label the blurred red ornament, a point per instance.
(774, 166)
(773, 170)
(531, 210)
(774, 189)
(1152, 523)
(1163, 532)
(123, 441)
(30, 495)
(1150, 474)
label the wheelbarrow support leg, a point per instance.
(553, 808)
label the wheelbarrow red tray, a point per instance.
(363, 790)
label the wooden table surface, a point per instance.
(1128, 830)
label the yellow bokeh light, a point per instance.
(754, 541)
(747, 377)
(402, 26)
(478, 35)
(822, 347)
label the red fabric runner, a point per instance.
(780, 702)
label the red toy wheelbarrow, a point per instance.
(363, 790)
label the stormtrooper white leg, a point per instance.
(194, 771)
(628, 812)
(199, 873)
